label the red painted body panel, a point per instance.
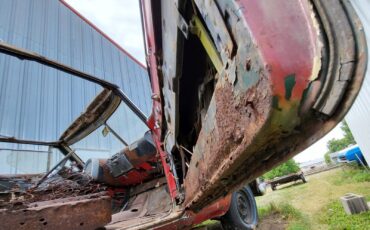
(288, 49)
(217, 209)
(155, 122)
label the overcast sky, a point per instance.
(318, 149)
(120, 20)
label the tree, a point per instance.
(335, 145)
(284, 169)
(347, 133)
(327, 158)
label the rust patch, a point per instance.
(253, 126)
(65, 184)
(68, 213)
(238, 117)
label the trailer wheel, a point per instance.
(303, 178)
(242, 213)
(273, 187)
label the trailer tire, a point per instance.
(303, 178)
(242, 213)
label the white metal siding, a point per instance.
(38, 102)
(358, 117)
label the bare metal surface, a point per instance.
(216, 25)
(172, 42)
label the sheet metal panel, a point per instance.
(358, 118)
(38, 102)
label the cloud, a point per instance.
(318, 149)
(119, 19)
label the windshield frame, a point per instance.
(64, 144)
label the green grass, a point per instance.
(205, 223)
(334, 216)
(316, 204)
(287, 212)
(352, 173)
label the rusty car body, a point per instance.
(238, 88)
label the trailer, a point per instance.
(286, 179)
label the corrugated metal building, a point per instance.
(38, 102)
(358, 118)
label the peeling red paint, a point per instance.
(243, 115)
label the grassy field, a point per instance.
(316, 204)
